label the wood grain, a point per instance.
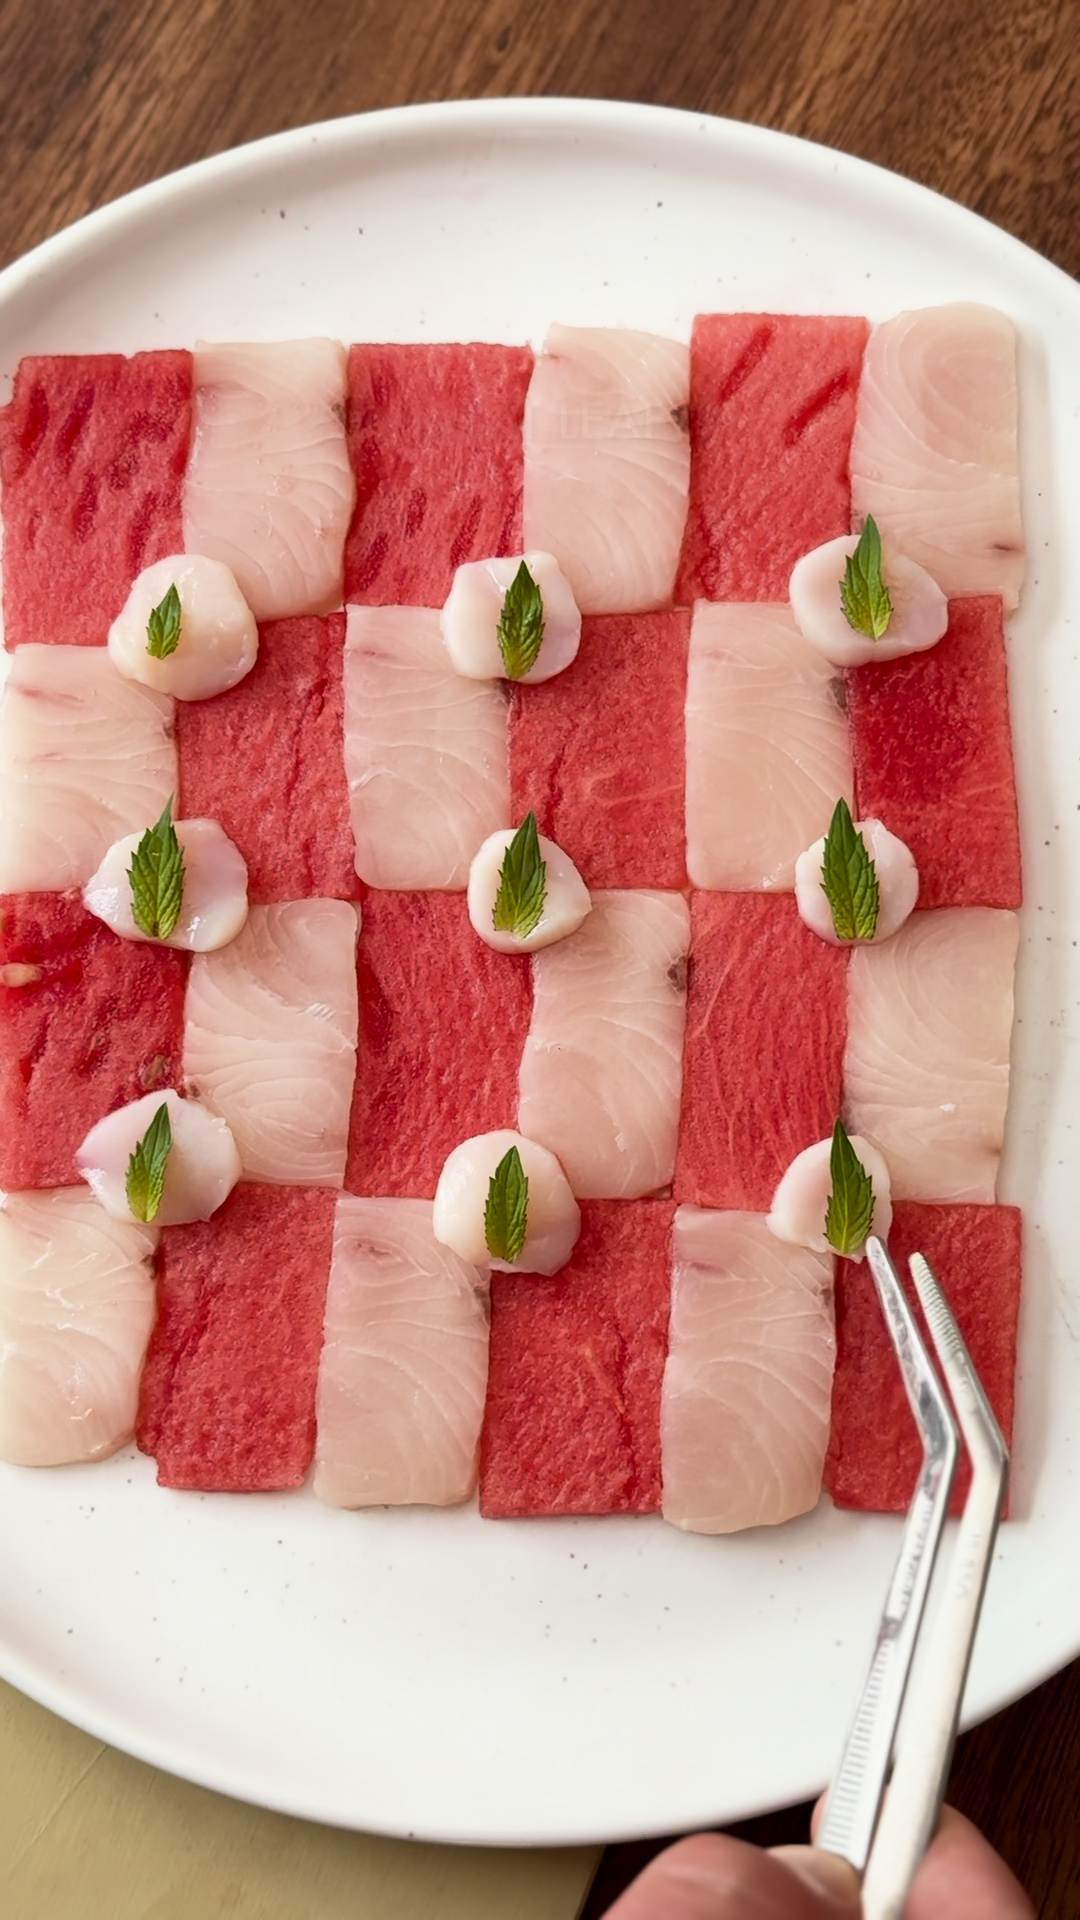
(980, 104)
(96, 100)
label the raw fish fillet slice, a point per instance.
(435, 441)
(269, 488)
(227, 1402)
(85, 758)
(607, 463)
(425, 752)
(601, 1072)
(934, 453)
(443, 1021)
(600, 761)
(744, 1415)
(768, 751)
(270, 1039)
(92, 455)
(404, 1365)
(76, 1309)
(762, 1071)
(772, 405)
(572, 1423)
(266, 761)
(926, 1071)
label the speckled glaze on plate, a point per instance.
(557, 1681)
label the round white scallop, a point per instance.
(566, 897)
(214, 906)
(201, 1171)
(920, 611)
(470, 617)
(897, 878)
(553, 1219)
(218, 640)
(799, 1203)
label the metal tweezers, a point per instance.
(883, 1804)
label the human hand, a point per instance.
(712, 1877)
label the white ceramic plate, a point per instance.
(431, 1674)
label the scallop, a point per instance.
(214, 905)
(919, 617)
(566, 897)
(218, 639)
(201, 1171)
(553, 1218)
(470, 617)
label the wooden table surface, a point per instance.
(979, 102)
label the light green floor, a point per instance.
(88, 1834)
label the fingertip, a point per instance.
(714, 1877)
(962, 1874)
(825, 1873)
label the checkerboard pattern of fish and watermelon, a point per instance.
(675, 1053)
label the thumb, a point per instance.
(712, 1877)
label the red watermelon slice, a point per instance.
(92, 455)
(772, 410)
(265, 760)
(87, 1022)
(598, 752)
(933, 759)
(435, 443)
(572, 1423)
(874, 1452)
(443, 1021)
(227, 1402)
(766, 1017)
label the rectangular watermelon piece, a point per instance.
(598, 752)
(88, 1022)
(266, 760)
(874, 1451)
(572, 1421)
(435, 444)
(92, 455)
(933, 759)
(227, 1402)
(766, 1022)
(772, 411)
(443, 1020)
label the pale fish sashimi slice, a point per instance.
(607, 463)
(601, 1070)
(744, 1409)
(76, 1309)
(768, 749)
(934, 452)
(426, 752)
(270, 1039)
(85, 758)
(926, 1071)
(269, 489)
(403, 1372)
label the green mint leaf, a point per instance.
(863, 593)
(851, 1202)
(849, 878)
(521, 624)
(506, 1214)
(163, 626)
(156, 875)
(146, 1167)
(522, 883)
